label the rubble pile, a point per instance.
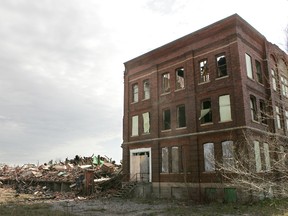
(85, 176)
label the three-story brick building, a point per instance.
(191, 100)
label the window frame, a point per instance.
(249, 66)
(135, 126)
(204, 71)
(209, 157)
(220, 67)
(146, 122)
(223, 106)
(166, 122)
(181, 118)
(135, 93)
(208, 117)
(165, 83)
(179, 80)
(146, 90)
(259, 72)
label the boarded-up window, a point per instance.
(286, 119)
(166, 120)
(221, 66)
(259, 71)
(249, 66)
(146, 89)
(135, 126)
(135, 93)
(209, 161)
(257, 156)
(165, 82)
(204, 71)
(146, 122)
(228, 154)
(175, 159)
(181, 116)
(165, 162)
(282, 155)
(180, 81)
(267, 156)
(225, 108)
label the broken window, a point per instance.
(206, 112)
(228, 154)
(166, 120)
(204, 71)
(225, 108)
(253, 108)
(181, 116)
(278, 117)
(263, 112)
(135, 125)
(221, 66)
(257, 156)
(249, 69)
(165, 162)
(259, 71)
(209, 161)
(146, 122)
(267, 156)
(135, 93)
(274, 82)
(146, 89)
(175, 159)
(165, 82)
(180, 82)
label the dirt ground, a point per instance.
(135, 207)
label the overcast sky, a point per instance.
(61, 66)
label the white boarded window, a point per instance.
(249, 66)
(278, 117)
(165, 164)
(209, 161)
(228, 154)
(257, 156)
(267, 156)
(135, 125)
(175, 159)
(146, 122)
(225, 108)
(282, 155)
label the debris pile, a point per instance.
(81, 176)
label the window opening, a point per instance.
(253, 107)
(249, 69)
(206, 112)
(135, 93)
(165, 83)
(225, 108)
(228, 154)
(209, 161)
(165, 164)
(221, 66)
(146, 89)
(257, 156)
(146, 122)
(166, 120)
(259, 71)
(135, 125)
(204, 71)
(180, 81)
(181, 116)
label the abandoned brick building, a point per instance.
(193, 97)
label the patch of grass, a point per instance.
(14, 209)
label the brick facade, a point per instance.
(232, 38)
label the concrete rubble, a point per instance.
(81, 178)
